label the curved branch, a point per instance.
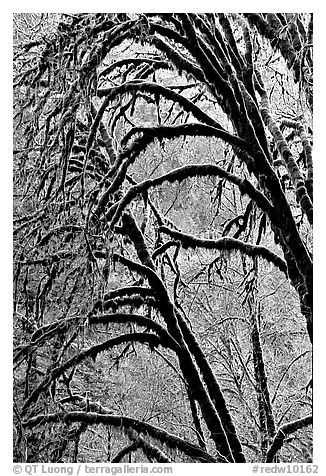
(129, 153)
(283, 432)
(139, 291)
(183, 173)
(229, 244)
(121, 318)
(92, 352)
(166, 32)
(149, 450)
(163, 248)
(156, 64)
(125, 451)
(285, 372)
(154, 88)
(140, 320)
(143, 270)
(92, 418)
(190, 129)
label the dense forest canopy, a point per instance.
(163, 210)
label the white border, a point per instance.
(6, 198)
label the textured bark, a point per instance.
(227, 244)
(217, 419)
(92, 418)
(264, 402)
(92, 352)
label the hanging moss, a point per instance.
(228, 244)
(91, 418)
(180, 174)
(150, 339)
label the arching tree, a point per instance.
(163, 193)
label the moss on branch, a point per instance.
(228, 244)
(182, 173)
(291, 165)
(283, 432)
(92, 418)
(154, 88)
(143, 338)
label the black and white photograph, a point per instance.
(162, 240)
